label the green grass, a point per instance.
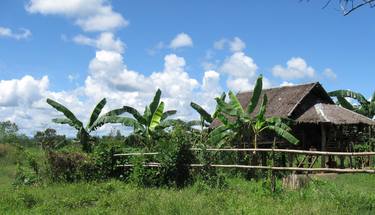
(347, 194)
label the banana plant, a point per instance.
(96, 121)
(365, 107)
(240, 124)
(205, 118)
(154, 119)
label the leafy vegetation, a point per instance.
(54, 174)
(240, 125)
(152, 122)
(94, 123)
(364, 107)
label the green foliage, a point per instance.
(240, 125)
(71, 166)
(347, 194)
(365, 107)
(94, 123)
(31, 167)
(104, 161)
(174, 157)
(153, 121)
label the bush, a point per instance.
(105, 162)
(174, 158)
(30, 167)
(70, 166)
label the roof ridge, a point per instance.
(302, 97)
(279, 87)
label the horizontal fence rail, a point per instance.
(260, 150)
(267, 168)
(304, 164)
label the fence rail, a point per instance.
(261, 150)
(267, 168)
(305, 165)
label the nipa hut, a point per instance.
(319, 123)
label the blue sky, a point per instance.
(67, 53)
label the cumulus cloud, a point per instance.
(109, 77)
(234, 45)
(328, 73)
(22, 91)
(242, 72)
(105, 41)
(286, 84)
(239, 65)
(22, 34)
(296, 68)
(220, 44)
(90, 15)
(181, 40)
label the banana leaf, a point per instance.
(61, 108)
(167, 114)
(156, 116)
(256, 95)
(284, 134)
(135, 114)
(202, 112)
(96, 112)
(348, 93)
(66, 121)
(155, 102)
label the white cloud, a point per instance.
(211, 81)
(297, 68)
(90, 15)
(159, 46)
(238, 65)
(105, 41)
(109, 77)
(328, 73)
(242, 72)
(236, 45)
(220, 44)
(22, 34)
(181, 40)
(286, 84)
(22, 91)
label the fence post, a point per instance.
(324, 140)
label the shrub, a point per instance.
(174, 158)
(70, 166)
(105, 162)
(30, 167)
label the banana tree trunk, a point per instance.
(255, 143)
(84, 139)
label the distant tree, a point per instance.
(49, 139)
(8, 131)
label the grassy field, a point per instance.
(346, 194)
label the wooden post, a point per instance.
(324, 142)
(341, 145)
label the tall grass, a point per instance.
(346, 194)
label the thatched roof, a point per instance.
(298, 103)
(329, 113)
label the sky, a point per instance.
(80, 51)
